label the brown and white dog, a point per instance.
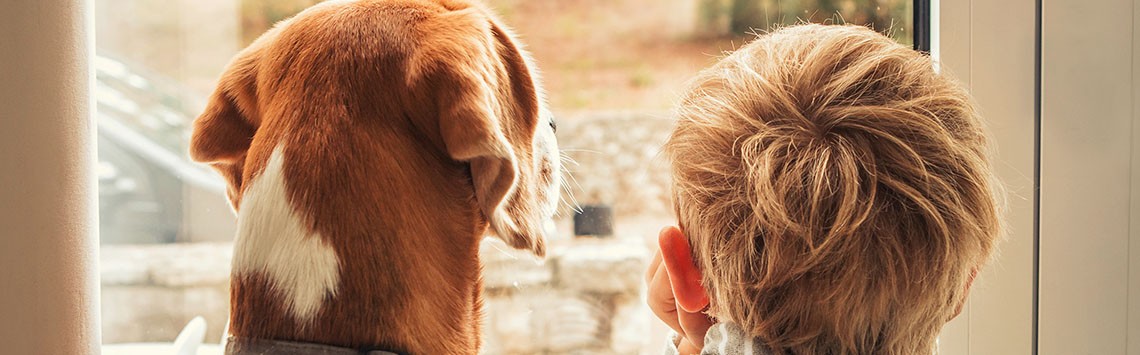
(368, 145)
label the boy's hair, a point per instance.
(836, 191)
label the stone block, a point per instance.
(173, 265)
(507, 327)
(149, 292)
(505, 268)
(157, 314)
(568, 324)
(629, 325)
(126, 264)
(211, 303)
(602, 265)
(544, 321)
(602, 143)
(141, 314)
(195, 264)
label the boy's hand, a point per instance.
(690, 327)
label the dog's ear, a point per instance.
(477, 96)
(222, 133)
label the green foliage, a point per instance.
(893, 17)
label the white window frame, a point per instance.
(1089, 242)
(991, 47)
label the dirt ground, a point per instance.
(612, 54)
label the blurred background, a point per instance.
(611, 68)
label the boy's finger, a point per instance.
(659, 297)
(695, 326)
(653, 265)
(685, 347)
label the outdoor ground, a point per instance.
(604, 55)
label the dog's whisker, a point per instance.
(574, 206)
(571, 205)
(566, 159)
(501, 250)
(568, 177)
(573, 201)
(574, 180)
(568, 198)
(565, 195)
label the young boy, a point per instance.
(834, 195)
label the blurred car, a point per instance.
(143, 168)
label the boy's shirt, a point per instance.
(723, 339)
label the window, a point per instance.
(611, 70)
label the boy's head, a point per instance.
(836, 191)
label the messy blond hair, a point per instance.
(836, 191)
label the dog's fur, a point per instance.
(368, 145)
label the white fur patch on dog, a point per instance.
(273, 242)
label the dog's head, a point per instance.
(445, 76)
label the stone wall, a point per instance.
(149, 292)
(585, 297)
(615, 158)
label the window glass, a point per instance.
(611, 69)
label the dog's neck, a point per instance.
(325, 265)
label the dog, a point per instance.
(368, 147)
